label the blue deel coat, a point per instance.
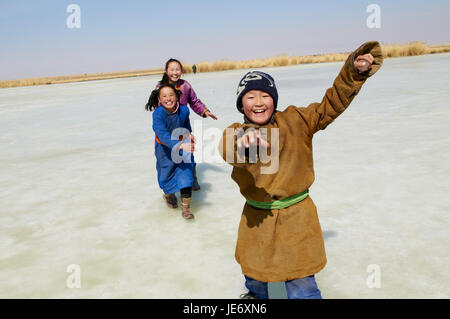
(174, 166)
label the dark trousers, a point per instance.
(302, 288)
(186, 192)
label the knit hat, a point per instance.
(256, 80)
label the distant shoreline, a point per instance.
(395, 50)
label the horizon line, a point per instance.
(413, 48)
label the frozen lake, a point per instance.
(79, 196)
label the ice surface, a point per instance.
(78, 186)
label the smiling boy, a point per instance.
(279, 236)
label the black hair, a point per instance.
(152, 103)
(165, 78)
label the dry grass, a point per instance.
(411, 49)
(77, 78)
(389, 51)
(282, 60)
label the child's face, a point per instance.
(174, 71)
(168, 98)
(258, 106)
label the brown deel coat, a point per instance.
(285, 244)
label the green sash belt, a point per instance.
(279, 204)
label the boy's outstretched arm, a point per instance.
(239, 144)
(228, 145)
(345, 87)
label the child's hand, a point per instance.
(192, 138)
(187, 147)
(252, 137)
(208, 113)
(363, 62)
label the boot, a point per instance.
(249, 295)
(171, 200)
(185, 208)
(195, 185)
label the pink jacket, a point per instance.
(188, 96)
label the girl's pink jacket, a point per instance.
(188, 97)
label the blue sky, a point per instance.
(129, 35)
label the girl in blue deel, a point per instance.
(174, 145)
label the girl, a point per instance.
(174, 145)
(172, 75)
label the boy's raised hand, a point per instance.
(252, 137)
(363, 62)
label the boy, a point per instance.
(279, 237)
